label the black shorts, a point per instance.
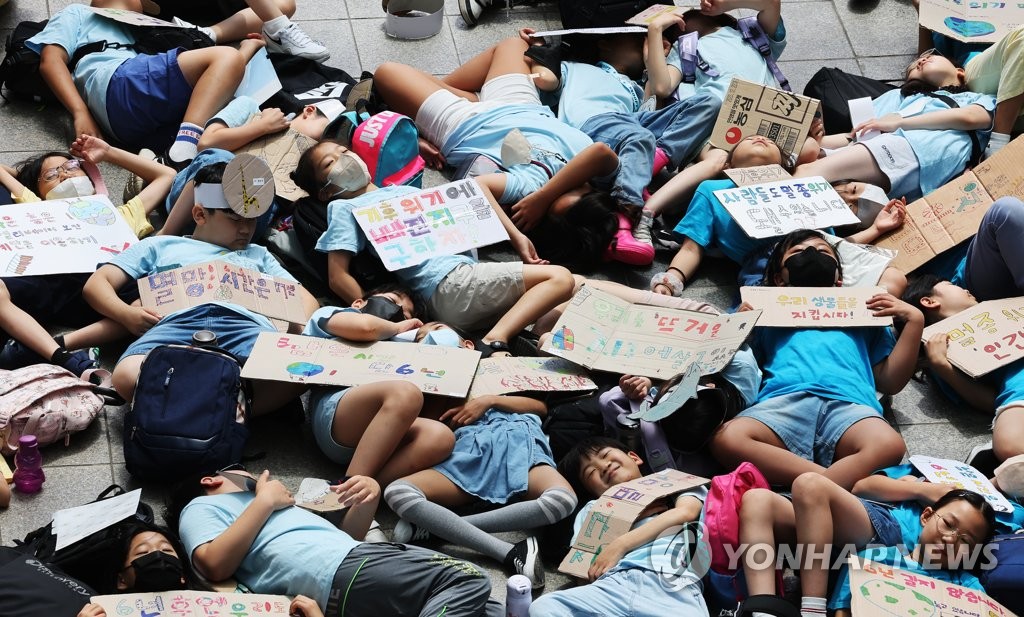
(57, 298)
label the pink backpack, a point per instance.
(49, 402)
(389, 145)
(722, 512)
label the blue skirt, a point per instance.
(493, 457)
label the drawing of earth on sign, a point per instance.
(92, 212)
(194, 290)
(965, 27)
(302, 370)
(896, 599)
(224, 292)
(563, 339)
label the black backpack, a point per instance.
(599, 13)
(93, 558)
(185, 415)
(305, 81)
(835, 88)
(27, 582)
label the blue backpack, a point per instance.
(188, 414)
(1004, 580)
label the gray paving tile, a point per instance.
(88, 447)
(952, 440)
(897, 36)
(312, 10)
(886, 67)
(500, 25)
(337, 37)
(921, 403)
(28, 127)
(799, 72)
(64, 487)
(15, 12)
(814, 32)
(115, 434)
(434, 55)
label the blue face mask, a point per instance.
(443, 337)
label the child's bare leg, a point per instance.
(23, 328)
(1008, 433)
(546, 288)
(766, 520)
(1007, 114)
(686, 181)
(405, 88)
(95, 334)
(868, 445)
(213, 73)
(852, 162)
(746, 439)
(269, 396)
(828, 515)
(126, 375)
(237, 26)
(503, 58)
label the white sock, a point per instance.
(186, 144)
(276, 25)
(995, 142)
(208, 32)
(812, 607)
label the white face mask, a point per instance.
(871, 201)
(78, 186)
(349, 173)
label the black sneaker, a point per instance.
(14, 355)
(983, 458)
(524, 558)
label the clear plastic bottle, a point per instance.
(28, 473)
(518, 596)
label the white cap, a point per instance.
(332, 108)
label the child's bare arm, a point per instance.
(883, 488)
(339, 279)
(891, 217)
(893, 373)
(977, 394)
(494, 184)
(471, 411)
(662, 79)
(53, 66)
(9, 182)
(769, 12)
(158, 178)
(364, 327)
(361, 494)
(220, 135)
(100, 292)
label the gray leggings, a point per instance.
(995, 257)
(395, 579)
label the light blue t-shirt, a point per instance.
(160, 253)
(295, 552)
(344, 234)
(588, 90)
(75, 26)
(1009, 382)
(727, 53)
(744, 372)
(710, 225)
(236, 113)
(941, 155)
(663, 554)
(554, 144)
(833, 363)
(892, 556)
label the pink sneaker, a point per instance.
(627, 249)
(660, 161)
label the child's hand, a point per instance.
(408, 324)
(138, 319)
(92, 610)
(527, 212)
(932, 492)
(272, 120)
(892, 216)
(665, 21)
(85, 125)
(817, 132)
(303, 607)
(91, 149)
(527, 35)
(634, 387)
(886, 304)
(610, 555)
(357, 490)
(527, 252)
(886, 124)
(273, 492)
(467, 413)
(744, 306)
(935, 350)
(717, 7)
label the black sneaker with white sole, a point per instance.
(472, 9)
(983, 458)
(524, 558)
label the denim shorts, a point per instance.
(887, 529)
(323, 405)
(791, 415)
(146, 100)
(236, 332)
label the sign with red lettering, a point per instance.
(508, 375)
(984, 337)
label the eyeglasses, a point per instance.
(237, 475)
(928, 53)
(69, 166)
(949, 530)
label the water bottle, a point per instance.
(517, 596)
(28, 473)
(204, 338)
(629, 432)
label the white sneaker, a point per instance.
(405, 532)
(375, 534)
(204, 29)
(292, 40)
(471, 10)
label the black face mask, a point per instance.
(811, 268)
(157, 571)
(379, 306)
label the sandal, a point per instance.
(675, 285)
(489, 349)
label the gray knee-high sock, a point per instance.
(409, 502)
(552, 506)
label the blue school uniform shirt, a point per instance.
(554, 144)
(833, 363)
(236, 113)
(75, 26)
(941, 155)
(892, 556)
(160, 253)
(710, 225)
(1009, 383)
(295, 551)
(726, 52)
(344, 234)
(589, 90)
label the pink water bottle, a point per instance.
(28, 473)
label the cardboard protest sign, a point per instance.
(220, 281)
(602, 332)
(194, 604)
(971, 22)
(260, 80)
(752, 109)
(606, 30)
(984, 337)
(316, 495)
(132, 18)
(952, 213)
(446, 371)
(61, 236)
(281, 151)
(440, 220)
(614, 513)
(646, 16)
(5, 469)
(961, 475)
(73, 524)
(759, 174)
(878, 589)
(777, 208)
(814, 307)
(507, 375)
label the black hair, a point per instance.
(774, 267)
(723, 20)
(211, 174)
(29, 170)
(920, 287)
(572, 463)
(126, 532)
(577, 239)
(978, 502)
(182, 493)
(692, 425)
(304, 175)
(419, 308)
(920, 86)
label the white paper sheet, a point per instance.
(72, 524)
